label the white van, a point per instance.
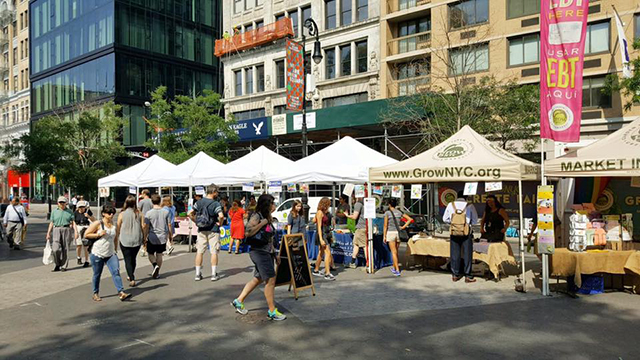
(283, 210)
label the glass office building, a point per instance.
(100, 50)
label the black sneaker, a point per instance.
(316, 273)
(156, 272)
(16, 247)
(56, 269)
(79, 261)
(86, 264)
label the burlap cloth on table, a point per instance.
(498, 253)
(567, 263)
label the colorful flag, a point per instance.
(295, 73)
(624, 46)
(563, 27)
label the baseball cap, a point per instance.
(82, 203)
(62, 199)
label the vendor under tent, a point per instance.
(345, 161)
(259, 165)
(182, 175)
(466, 157)
(615, 156)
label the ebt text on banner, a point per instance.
(563, 28)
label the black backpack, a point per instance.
(204, 218)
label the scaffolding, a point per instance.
(254, 38)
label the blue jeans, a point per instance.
(114, 268)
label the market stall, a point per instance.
(345, 161)
(464, 157)
(600, 232)
(495, 255)
(183, 175)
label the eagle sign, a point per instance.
(258, 127)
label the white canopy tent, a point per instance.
(345, 161)
(183, 174)
(616, 155)
(465, 156)
(261, 164)
(149, 170)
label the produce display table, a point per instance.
(493, 254)
(567, 263)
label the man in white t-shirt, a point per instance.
(461, 246)
(15, 222)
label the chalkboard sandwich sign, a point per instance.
(294, 269)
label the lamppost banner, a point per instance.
(563, 27)
(295, 71)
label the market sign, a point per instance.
(252, 129)
(563, 27)
(295, 80)
(599, 165)
(279, 124)
(546, 232)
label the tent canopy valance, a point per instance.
(183, 174)
(345, 161)
(615, 155)
(259, 165)
(465, 156)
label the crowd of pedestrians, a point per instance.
(147, 223)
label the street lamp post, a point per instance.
(312, 27)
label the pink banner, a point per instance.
(563, 26)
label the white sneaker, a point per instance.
(198, 277)
(215, 277)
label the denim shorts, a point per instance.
(264, 264)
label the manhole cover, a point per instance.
(253, 318)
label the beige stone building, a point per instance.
(14, 67)
(421, 41)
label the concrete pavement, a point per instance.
(359, 316)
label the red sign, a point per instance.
(295, 73)
(15, 179)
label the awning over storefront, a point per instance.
(465, 156)
(616, 155)
(345, 161)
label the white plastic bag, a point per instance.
(47, 254)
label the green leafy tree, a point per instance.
(78, 150)
(629, 88)
(184, 126)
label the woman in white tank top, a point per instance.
(103, 252)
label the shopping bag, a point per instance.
(47, 254)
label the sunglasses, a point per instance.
(62, 202)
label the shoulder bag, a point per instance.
(402, 233)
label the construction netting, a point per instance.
(252, 38)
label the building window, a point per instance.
(330, 14)
(361, 56)
(307, 63)
(597, 38)
(15, 83)
(469, 59)
(410, 76)
(518, 8)
(248, 80)
(237, 75)
(362, 9)
(330, 63)
(248, 4)
(280, 74)
(293, 15)
(306, 14)
(237, 6)
(260, 75)
(248, 27)
(259, 24)
(345, 100)
(249, 114)
(280, 17)
(345, 12)
(636, 33)
(593, 95)
(524, 50)
(345, 60)
(469, 12)
(412, 27)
